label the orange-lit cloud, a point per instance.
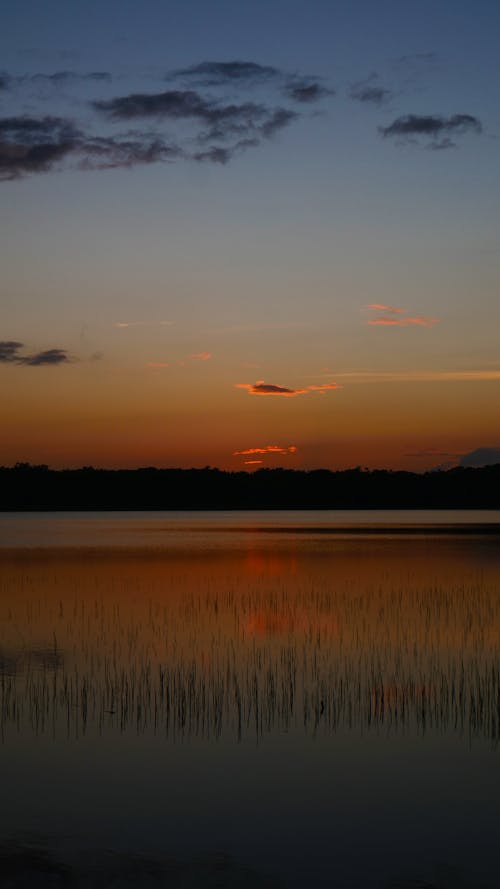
(268, 449)
(419, 376)
(262, 388)
(419, 321)
(252, 462)
(200, 356)
(380, 307)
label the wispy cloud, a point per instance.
(419, 321)
(268, 449)
(195, 356)
(246, 74)
(402, 319)
(252, 462)
(432, 452)
(435, 130)
(262, 388)
(224, 73)
(10, 354)
(201, 356)
(124, 324)
(380, 307)
(56, 79)
(369, 91)
(9, 350)
(423, 376)
(307, 91)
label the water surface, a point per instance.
(249, 699)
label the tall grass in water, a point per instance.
(180, 653)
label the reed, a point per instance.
(211, 657)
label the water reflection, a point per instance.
(277, 709)
(399, 635)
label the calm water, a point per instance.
(249, 699)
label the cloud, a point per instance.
(62, 77)
(307, 91)
(9, 351)
(223, 73)
(268, 449)
(58, 78)
(225, 118)
(124, 324)
(368, 91)
(417, 57)
(423, 376)
(246, 122)
(432, 452)
(9, 354)
(252, 462)
(38, 144)
(261, 388)
(380, 307)
(481, 457)
(419, 321)
(104, 153)
(201, 356)
(436, 128)
(48, 357)
(34, 145)
(206, 128)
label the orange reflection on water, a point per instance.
(288, 632)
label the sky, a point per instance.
(249, 235)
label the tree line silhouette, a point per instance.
(36, 487)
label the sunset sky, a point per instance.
(249, 234)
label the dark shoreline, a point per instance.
(26, 488)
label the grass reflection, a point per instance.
(248, 643)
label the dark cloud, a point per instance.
(276, 120)
(215, 155)
(248, 121)
(48, 357)
(222, 73)
(103, 152)
(417, 57)
(61, 77)
(9, 350)
(191, 105)
(261, 388)
(374, 95)
(5, 81)
(9, 354)
(34, 145)
(306, 91)
(481, 457)
(432, 126)
(206, 129)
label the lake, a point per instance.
(250, 699)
